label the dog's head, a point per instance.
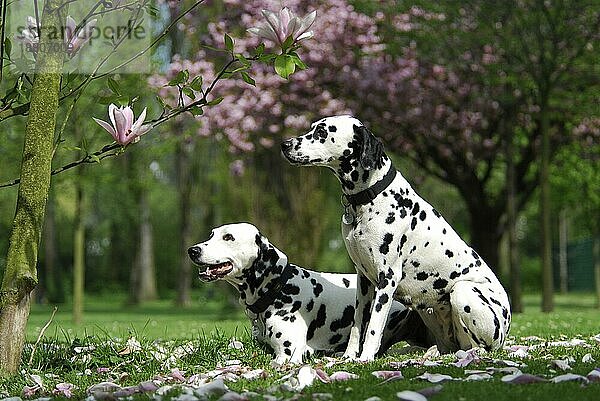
(341, 143)
(235, 252)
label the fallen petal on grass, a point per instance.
(588, 358)
(562, 364)
(522, 378)
(479, 377)
(435, 377)
(594, 375)
(342, 376)
(386, 374)
(408, 395)
(569, 377)
(431, 391)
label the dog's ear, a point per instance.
(371, 148)
(268, 255)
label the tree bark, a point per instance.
(143, 275)
(52, 272)
(545, 206)
(20, 275)
(516, 301)
(184, 185)
(597, 269)
(486, 236)
(78, 254)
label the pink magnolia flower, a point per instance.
(122, 127)
(64, 389)
(29, 35)
(75, 40)
(284, 24)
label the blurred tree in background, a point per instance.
(453, 89)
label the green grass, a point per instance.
(111, 316)
(208, 328)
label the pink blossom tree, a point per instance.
(450, 89)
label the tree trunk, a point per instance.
(184, 185)
(143, 274)
(546, 229)
(20, 275)
(52, 272)
(516, 301)
(563, 259)
(486, 236)
(597, 269)
(78, 253)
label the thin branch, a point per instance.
(114, 148)
(2, 33)
(42, 331)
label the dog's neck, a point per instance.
(264, 275)
(359, 179)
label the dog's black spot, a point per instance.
(390, 219)
(449, 253)
(310, 305)
(454, 275)
(346, 320)
(354, 175)
(465, 270)
(319, 321)
(440, 283)
(415, 263)
(317, 289)
(422, 276)
(413, 223)
(278, 334)
(296, 306)
(281, 312)
(496, 328)
(467, 309)
(415, 209)
(383, 299)
(385, 246)
(332, 128)
(346, 282)
(287, 351)
(291, 289)
(422, 215)
(436, 213)
(364, 285)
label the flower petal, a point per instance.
(106, 126)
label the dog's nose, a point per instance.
(194, 252)
(286, 145)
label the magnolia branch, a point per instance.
(114, 149)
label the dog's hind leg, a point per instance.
(480, 316)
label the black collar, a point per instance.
(264, 301)
(366, 196)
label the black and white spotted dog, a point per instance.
(402, 247)
(294, 310)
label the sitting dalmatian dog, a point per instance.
(402, 247)
(294, 310)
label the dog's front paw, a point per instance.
(365, 358)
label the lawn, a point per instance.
(158, 346)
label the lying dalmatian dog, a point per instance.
(294, 310)
(402, 247)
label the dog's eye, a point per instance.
(228, 237)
